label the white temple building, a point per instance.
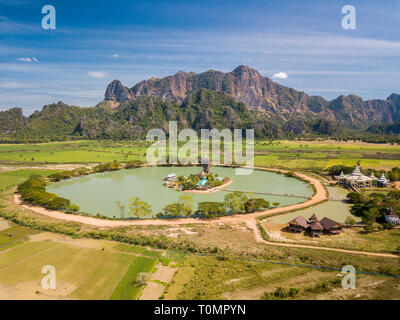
(358, 180)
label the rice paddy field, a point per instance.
(10, 178)
(102, 270)
(205, 278)
(307, 155)
(85, 269)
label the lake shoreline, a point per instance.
(319, 196)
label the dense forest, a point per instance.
(240, 99)
(203, 109)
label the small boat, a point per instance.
(170, 177)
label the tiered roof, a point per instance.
(313, 219)
(357, 171)
(383, 179)
(357, 176)
(314, 224)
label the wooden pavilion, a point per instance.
(298, 225)
(330, 226)
(315, 227)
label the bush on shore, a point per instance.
(34, 191)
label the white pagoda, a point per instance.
(358, 180)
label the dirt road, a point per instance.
(249, 219)
(320, 195)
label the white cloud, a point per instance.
(28, 59)
(25, 59)
(15, 85)
(115, 56)
(97, 74)
(280, 75)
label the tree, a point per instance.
(139, 208)
(184, 207)
(187, 204)
(276, 204)
(172, 210)
(369, 219)
(355, 197)
(370, 216)
(369, 227)
(395, 195)
(235, 201)
(350, 221)
(210, 209)
(142, 279)
(73, 208)
(121, 209)
(253, 205)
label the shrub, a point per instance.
(350, 221)
(254, 205)
(210, 209)
(110, 166)
(133, 164)
(34, 191)
(235, 201)
(142, 278)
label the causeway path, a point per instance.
(250, 219)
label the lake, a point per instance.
(337, 210)
(98, 193)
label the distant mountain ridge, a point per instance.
(247, 85)
(213, 99)
(202, 109)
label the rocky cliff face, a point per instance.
(247, 85)
(11, 121)
(116, 92)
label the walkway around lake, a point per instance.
(250, 219)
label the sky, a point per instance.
(300, 44)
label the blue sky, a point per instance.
(98, 41)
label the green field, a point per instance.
(92, 274)
(109, 270)
(281, 154)
(84, 270)
(208, 278)
(14, 236)
(11, 178)
(139, 250)
(128, 289)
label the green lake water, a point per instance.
(336, 210)
(98, 193)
